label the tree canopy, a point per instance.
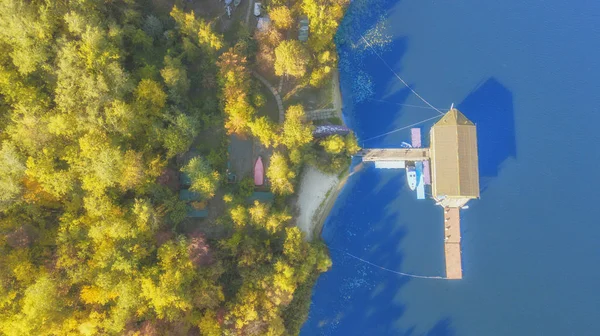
(292, 58)
(101, 103)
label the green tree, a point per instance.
(175, 76)
(12, 171)
(179, 136)
(292, 58)
(204, 180)
(265, 130)
(209, 326)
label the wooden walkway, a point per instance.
(452, 243)
(394, 154)
(321, 114)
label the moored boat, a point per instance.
(259, 172)
(411, 175)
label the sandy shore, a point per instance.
(315, 187)
(319, 190)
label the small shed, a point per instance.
(196, 213)
(261, 196)
(187, 195)
(184, 179)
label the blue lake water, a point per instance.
(528, 74)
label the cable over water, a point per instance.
(401, 128)
(387, 269)
(400, 78)
(401, 104)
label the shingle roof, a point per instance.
(454, 159)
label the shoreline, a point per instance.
(318, 215)
(326, 206)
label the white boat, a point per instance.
(411, 176)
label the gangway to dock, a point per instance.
(452, 249)
(394, 154)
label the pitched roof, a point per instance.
(454, 159)
(188, 195)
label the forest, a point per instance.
(100, 102)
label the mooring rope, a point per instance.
(387, 269)
(400, 78)
(401, 128)
(401, 104)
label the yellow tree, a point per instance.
(282, 17)
(297, 132)
(235, 80)
(292, 58)
(280, 175)
(352, 146)
(265, 130)
(333, 144)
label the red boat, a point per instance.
(259, 172)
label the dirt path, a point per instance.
(336, 99)
(274, 92)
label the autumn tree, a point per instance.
(292, 58)
(282, 17)
(281, 175)
(235, 81)
(324, 18)
(333, 144)
(265, 130)
(352, 146)
(96, 102)
(297, 131)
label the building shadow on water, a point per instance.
(354, 297)
(490, 106)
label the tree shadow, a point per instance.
(490, 106)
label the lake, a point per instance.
(528, 74)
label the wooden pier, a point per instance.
(452, 249)
(394, 154)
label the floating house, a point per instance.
(454, 160)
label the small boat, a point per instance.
(236, 2)
(411, 175)
(259, 172)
